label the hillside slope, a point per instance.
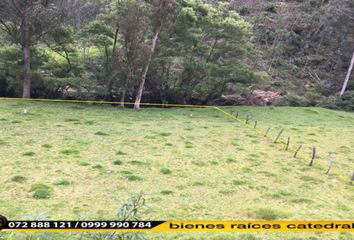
(190, 163)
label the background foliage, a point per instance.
(206, 49)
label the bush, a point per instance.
(313, 97)
(330, 102)
(346, 102)
(293, 100)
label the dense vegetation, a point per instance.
(180, 51)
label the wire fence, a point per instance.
(326, 166)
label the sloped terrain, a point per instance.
(70, 161)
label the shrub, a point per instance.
(293, 100)
(313, 97)
(346, 102)
(41, 191)
(329, 102)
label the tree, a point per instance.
(350, 69)
(202, 54)
(162, 11)
(26, 22)
(100, 34)
(132, 31)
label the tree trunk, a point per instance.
(27, 63)
(146, 69)
(345, 84)
(110, 80)
(122, 98)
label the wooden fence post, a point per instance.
(287, 144)
(330, 162)
(247, 119)
(297, 150)
(313, 156)
(266, 133)
(279, 134)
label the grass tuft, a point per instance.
(47, 146)
(120, 153)
(125, 172)
(29, 154)
(99, 133)
(165, 134)
(239, 182)
(62, 182)
(231, 160)
(18, 179)
(90, 122)
(270, 214)
(41, 191)
(84, 164)
(136, 162)
(70, 152)
(134, 178)
(97, 166)
(117, 162)
(166, 192)
(165, 171)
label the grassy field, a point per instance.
(72, 161)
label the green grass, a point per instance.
(192, 161)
